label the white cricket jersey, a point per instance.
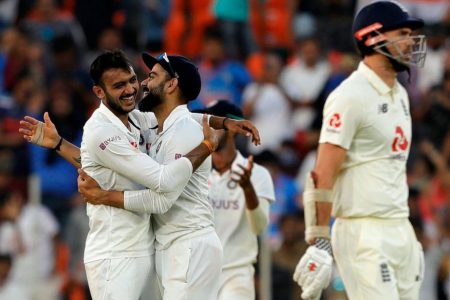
(111, 154)
(372, 121)
(239, 243)
(191, 214)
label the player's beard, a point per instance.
(153, 99)
(114, 105)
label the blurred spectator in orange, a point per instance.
(186, 25)
(222, 78)
(272, 24)
(265, 101)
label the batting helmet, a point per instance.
(378, 17)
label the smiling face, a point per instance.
(153, 88)
(118, 89)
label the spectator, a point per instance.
(265, 101)
(303, 80)
(221, 78)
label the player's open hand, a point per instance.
(244, 127)
(211, 135)
(89, 188)
(241, 174)
(313, 272)
(43, 134)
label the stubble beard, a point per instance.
(152, 100)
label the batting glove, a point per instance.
(313, 271)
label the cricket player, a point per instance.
(188, 251)
(360, 173)
(119, 247)
(240, 192)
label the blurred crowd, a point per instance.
(277, 59)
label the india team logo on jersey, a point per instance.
(400, 143)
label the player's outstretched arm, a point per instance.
(46, 135)
(243, 127)
(148, 200)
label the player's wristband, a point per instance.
(208, 145)
(223, 123)
(58, 146)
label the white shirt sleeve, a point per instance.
(111, 148)
(264, 189)
(188, 137)
(342, 117)
(199, 118)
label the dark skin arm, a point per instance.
(251, 200)
(243, 127)
(29, 127)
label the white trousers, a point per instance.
(378, 259)
(237, 283)
(120, 278)
(190, 268)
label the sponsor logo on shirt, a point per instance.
(385, 274)
(225, 204)
(335, 121)
(106, 142)
(400, 143)
(178, 156)
(134, 144)
(405, 110)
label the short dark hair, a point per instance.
(114, 59)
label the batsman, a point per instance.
(360, 174)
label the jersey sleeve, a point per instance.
(264, 189)
(189, 135)
(111, 148)
(342, 117)
(263, 183)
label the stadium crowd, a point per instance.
(276, 59)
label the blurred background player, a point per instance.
(240, 192)
(360, 173)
